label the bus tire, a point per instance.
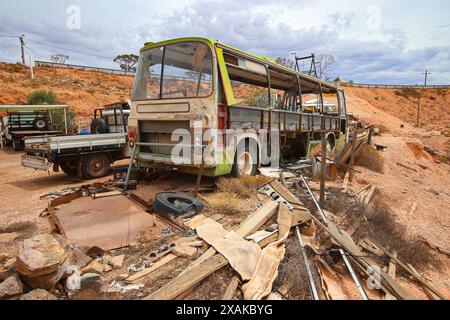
(95, 166)
(245, 160)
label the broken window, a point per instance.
(249, 82)
(182, 70)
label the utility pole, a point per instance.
(426, 76)
(418, 111)
(22, 45)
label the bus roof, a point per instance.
(262, 59)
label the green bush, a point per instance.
(41, 97)
(48, 97)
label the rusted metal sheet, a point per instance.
(108, 223)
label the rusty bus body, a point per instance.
(183, 84)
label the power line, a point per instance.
(5, 36)
(70, 50)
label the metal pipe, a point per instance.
(362, 292)
(312, 285)
(130, 167)
(342, 252)
(324, 217)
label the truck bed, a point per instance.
(86, 142)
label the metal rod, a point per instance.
(344, 165)
(324, 217)
(312, 285)
(342, 252)
(130, 167)
(354, 276)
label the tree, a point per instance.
(41, 97)
(127, 62)
(324, 64)
(48, 97)
(285, 62)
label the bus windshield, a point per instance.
(182, 70)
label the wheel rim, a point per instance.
(40, 123)
(97, 165)
(245, 164)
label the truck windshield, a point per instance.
(182, 70)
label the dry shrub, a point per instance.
(254, 182)
(408, 93)
(224, 203)
(371, 159)
(233, 186)
(382, 128)
(243, 187)
(387, 232)
(292, 271)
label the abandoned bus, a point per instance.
(190, 93)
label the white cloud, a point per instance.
(396, 48)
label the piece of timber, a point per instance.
(195, 273)
(429, 293)
(232, 287)
(257, 220)
(410, 271)
(161, 263)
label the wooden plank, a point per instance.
(411, 272)
(363, 189)
(158, 265)
(369, 196)
(210, 261)
(346, 179)
(184, 251)
(258, 219)
(406, 167)
(106, 194)
(392, 266)
(429, 293)
(232, 287)
(187, 280)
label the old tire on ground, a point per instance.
(245, 160)
(69, 167)
(40, 124)
(176, 204)
(95, 165)
(99, 126)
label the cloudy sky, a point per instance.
(386, 41)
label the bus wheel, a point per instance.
(245, 161)
(95, 166)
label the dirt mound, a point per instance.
(402, 104)
(83, 90)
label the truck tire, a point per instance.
(99, 126)
(17, 145)
(95, 165)
(176, 204)
(245, 160)
(69, 167)
(40, 124)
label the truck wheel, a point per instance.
(40, 124)
(245, 160)
(99, 126)
(69, 168)
(17, 145)
(95, 166)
